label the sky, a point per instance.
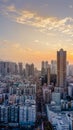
(34, 30)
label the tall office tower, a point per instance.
(29, 70)
(16, 69)
(48, 75)
(70, 70)
(46, 64)
(20, 68)
(32, 69)
(7, 67)
(61, 68)
(44, 67)
(44, 72)
(67, 68)
(53, 67)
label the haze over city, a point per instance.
(33, 30)
(36, 64)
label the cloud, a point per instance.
(64, 25)
(4, 1)
(37, 41)
(11, 8)
(44, 24)
(70, 6)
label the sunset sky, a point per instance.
(33, 30)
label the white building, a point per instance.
(56, 97)
(58, 120)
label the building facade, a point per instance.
(61, 68)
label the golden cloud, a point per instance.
(64, 25)
(11, 8)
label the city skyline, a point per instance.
(32, 31)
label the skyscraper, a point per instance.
(48, 75)
(20, 68)
(7, 68)
(53, 67)
(44, 67)
(29, 70)
(61, 68)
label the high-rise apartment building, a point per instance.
(53, 67)
(61, 68)
(44, 67)
(20, 68)
(29, 70)
(48, 75)
(7, 67)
